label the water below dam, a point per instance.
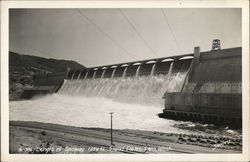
(135, 101)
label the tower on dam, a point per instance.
(216, 44)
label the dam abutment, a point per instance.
(212, 91)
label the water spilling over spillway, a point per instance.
(135, 101)
(134, 93)
(146, 90)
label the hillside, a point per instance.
(23, 67)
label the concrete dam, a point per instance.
(201, 86)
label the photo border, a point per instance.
(5, 5)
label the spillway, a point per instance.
(147, 90)
(202, 86)
(142, 82)
(85, 97)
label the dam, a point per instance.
(201, 86)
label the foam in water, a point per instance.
(89, 112)
(94, 112)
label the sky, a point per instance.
(95, 37)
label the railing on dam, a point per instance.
(138, 68)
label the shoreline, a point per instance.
(36, 137)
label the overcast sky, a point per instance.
(95, 37)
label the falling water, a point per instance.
(142, 89)
(137, 70)
(86, 75)
(170, 69)
(103, 73)
(113, 72)
(124, 72)
(79, 75)
(94, 74)
(153, 69)
(72, 76)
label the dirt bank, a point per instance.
(35, 137)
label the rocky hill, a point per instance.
(23, 67)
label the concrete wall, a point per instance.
(216, 72)
(50, 79)
(206, 103)
(44, 84)
(212, 89)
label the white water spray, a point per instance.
(146, 90)
(137, 71)
(113, 73)
(152, 71)
(72, 76)
(79, 75)
(124, 72)
(86, 75)
(103, 72)
(94, 74)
